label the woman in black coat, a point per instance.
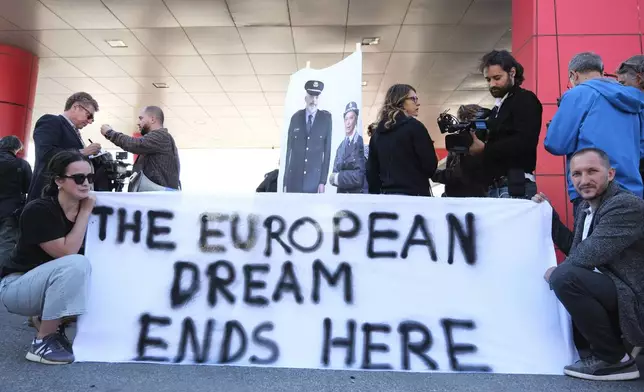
(401, 152)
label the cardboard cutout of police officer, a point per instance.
(349, 165)
(308, 146)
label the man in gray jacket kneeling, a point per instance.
(601, 281)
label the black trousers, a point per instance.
(591, 299)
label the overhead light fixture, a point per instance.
(160, 85)
(364, 83)
(200, 122)
(116, 43)
(370, 41)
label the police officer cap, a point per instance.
(314, 87)
(352, 107)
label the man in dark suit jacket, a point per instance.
(349, 165)
(308, 146)
(53, 134)
(507, 159)
(601, 281)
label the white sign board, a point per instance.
(323, 107)
(320, 281)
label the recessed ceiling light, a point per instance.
(116, 43)
(364, 83)
(370, 41)
(160, 85)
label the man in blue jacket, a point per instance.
(599, 112)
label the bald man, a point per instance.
(157, 166)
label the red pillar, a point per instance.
(545, 36)
(18, 76)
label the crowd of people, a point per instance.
(599, 128)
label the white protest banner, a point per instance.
(322, 108)
(321, 281)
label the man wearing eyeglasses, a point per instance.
(55, 133)
(630, 73)
(599, 112)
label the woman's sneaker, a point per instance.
(50, 351)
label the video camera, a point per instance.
(459, 139)
(111, 173)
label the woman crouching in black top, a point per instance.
(47, 276)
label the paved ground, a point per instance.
(18, 375)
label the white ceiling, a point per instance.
(228, 62)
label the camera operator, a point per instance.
(459, 182)
(157, 165)
(15, 177)
(53, 134)
(508, 156)
(599, 112)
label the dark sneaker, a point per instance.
(64, 340)
(593, 368)
(49, 351)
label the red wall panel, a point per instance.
(597, 17)
(35, 67)
(12, 120)
(612, 48)
(18, 76)
(640, 10)
(527, 57)
(523, 22)
(545, 17)
(15, 75)
(546, 162)
(547, 71)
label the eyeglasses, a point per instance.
(79, 179)
(414, 98)
(90, 115)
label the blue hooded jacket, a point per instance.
(601, 113)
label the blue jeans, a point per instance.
(503, 193)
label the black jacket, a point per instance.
(270, 182)
(52, 135)
(15, 177)
(513, 136)
(401, 159)
(458, 181)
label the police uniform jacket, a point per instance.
(308, 155)
(350, 165)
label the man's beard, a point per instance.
(145, 130)
(499, 92)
